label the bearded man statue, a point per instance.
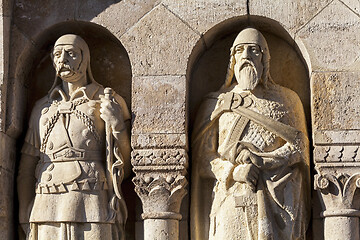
(250, 175)
(68, 181)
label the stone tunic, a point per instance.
(68, 136)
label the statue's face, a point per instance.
(248, 67)
(67, 61)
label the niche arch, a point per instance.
(289, 66)
(110, 66)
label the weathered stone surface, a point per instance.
(158, 104)
(335, 100)
(32, 16)
(117, 17)
(6, 8)
(353, 4)
(336, 137)
(331, 38)
(159, 140)
(7, 148)
(289, 13)
(202, 15)
(155, 50)
(6, 204)
(19, 48)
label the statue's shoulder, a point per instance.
(203, 114)
(42, 103)
(284, 95)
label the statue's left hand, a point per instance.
(111, 113)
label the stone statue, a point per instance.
(75, 155)
(250, 154)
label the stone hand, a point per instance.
(110, 112)
(245, 156)
(246, 173)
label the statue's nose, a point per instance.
(246, 54)
(62, 58)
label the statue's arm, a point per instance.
(26, 185)
(289, 153)
(204, 151)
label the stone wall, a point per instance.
(163, 50)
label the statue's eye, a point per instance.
(239, 49)
(71, 54)
(255, 50)
(57, 54)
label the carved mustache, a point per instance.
(243, 64)
(64, 67)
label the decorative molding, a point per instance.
(160, 181)
(332, 154)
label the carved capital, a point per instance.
(160, 181)
(338, 179)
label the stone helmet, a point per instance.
(250, 36)
(75, 40)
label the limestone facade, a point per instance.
(163, 57)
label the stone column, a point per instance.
(160, 183)
(337, 181)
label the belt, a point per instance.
(69, 154)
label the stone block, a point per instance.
(158, 105)
(336, 104)
(118, 17)
(159, 140)
(159, 44)
(32, 17)
(336, 137)
(331, 39)
(202, 15)
(6, 204)
(289, 13)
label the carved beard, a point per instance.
(248, 76)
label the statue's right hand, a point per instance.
(246, 173)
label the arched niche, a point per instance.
(210, 58)
(110, 63)
(110, 66)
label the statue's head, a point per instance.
(71, 57)
(249, 60)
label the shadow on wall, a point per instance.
(110, 65)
